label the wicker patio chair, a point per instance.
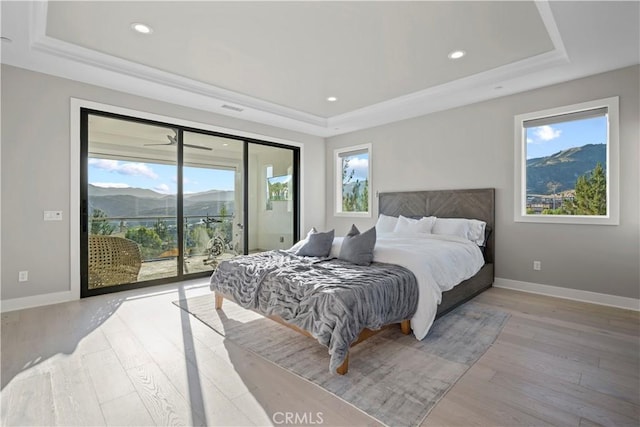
(112, 261)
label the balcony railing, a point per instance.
(207, 238)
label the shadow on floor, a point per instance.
(32, 336)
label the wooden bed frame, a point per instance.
(472, 204)
(405, 326)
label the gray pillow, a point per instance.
(318, 244)
(358, 248)
(295, 248)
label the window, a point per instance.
(566, 164)
(353, 181)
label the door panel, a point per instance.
(131, 197)
(271, 181)
(212, 200)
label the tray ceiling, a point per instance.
(277, 62)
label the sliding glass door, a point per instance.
(212, 201)
(130, 203)
(161, 203)
(271, 186)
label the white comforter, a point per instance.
(439, 263)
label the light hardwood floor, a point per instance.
(136, 359)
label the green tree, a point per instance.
(346, 176)
(99, 223)
(278, 191)
(364, 199)
(165, 234)
(356, 199)
(223, 212)
(590, 196)
(149, 241)
(161, 229)
(226, 223)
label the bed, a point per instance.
(469, 203)
(311, 296)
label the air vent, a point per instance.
(233, 108)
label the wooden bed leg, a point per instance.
(219, 299)
(342, 369)
(405, 326)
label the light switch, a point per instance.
(53, 215)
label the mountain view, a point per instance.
(563, 168)
(130, 202)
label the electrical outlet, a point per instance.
(281, 239)
(23, 276)
(537, 265)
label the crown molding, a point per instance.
(122, 68)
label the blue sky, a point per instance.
(549, 139)
(158, 177)
(359, 163)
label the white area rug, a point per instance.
(392, 377)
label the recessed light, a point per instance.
(332, 99)
(141, 28)
(457, 54)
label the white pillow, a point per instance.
(386, 224)
(410, 225)
(470, 229)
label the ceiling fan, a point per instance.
(173, 141)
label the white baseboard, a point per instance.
(36, 301)
(517, 285)
(66, 296)
(571, 294)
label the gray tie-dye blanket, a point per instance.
(332, 299)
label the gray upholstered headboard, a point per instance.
(472, 203)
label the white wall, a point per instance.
(36, 174)
(473, 147)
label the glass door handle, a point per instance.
(84, 214)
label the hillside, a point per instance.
(131, 202)
(128, 191)
(563, 167)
